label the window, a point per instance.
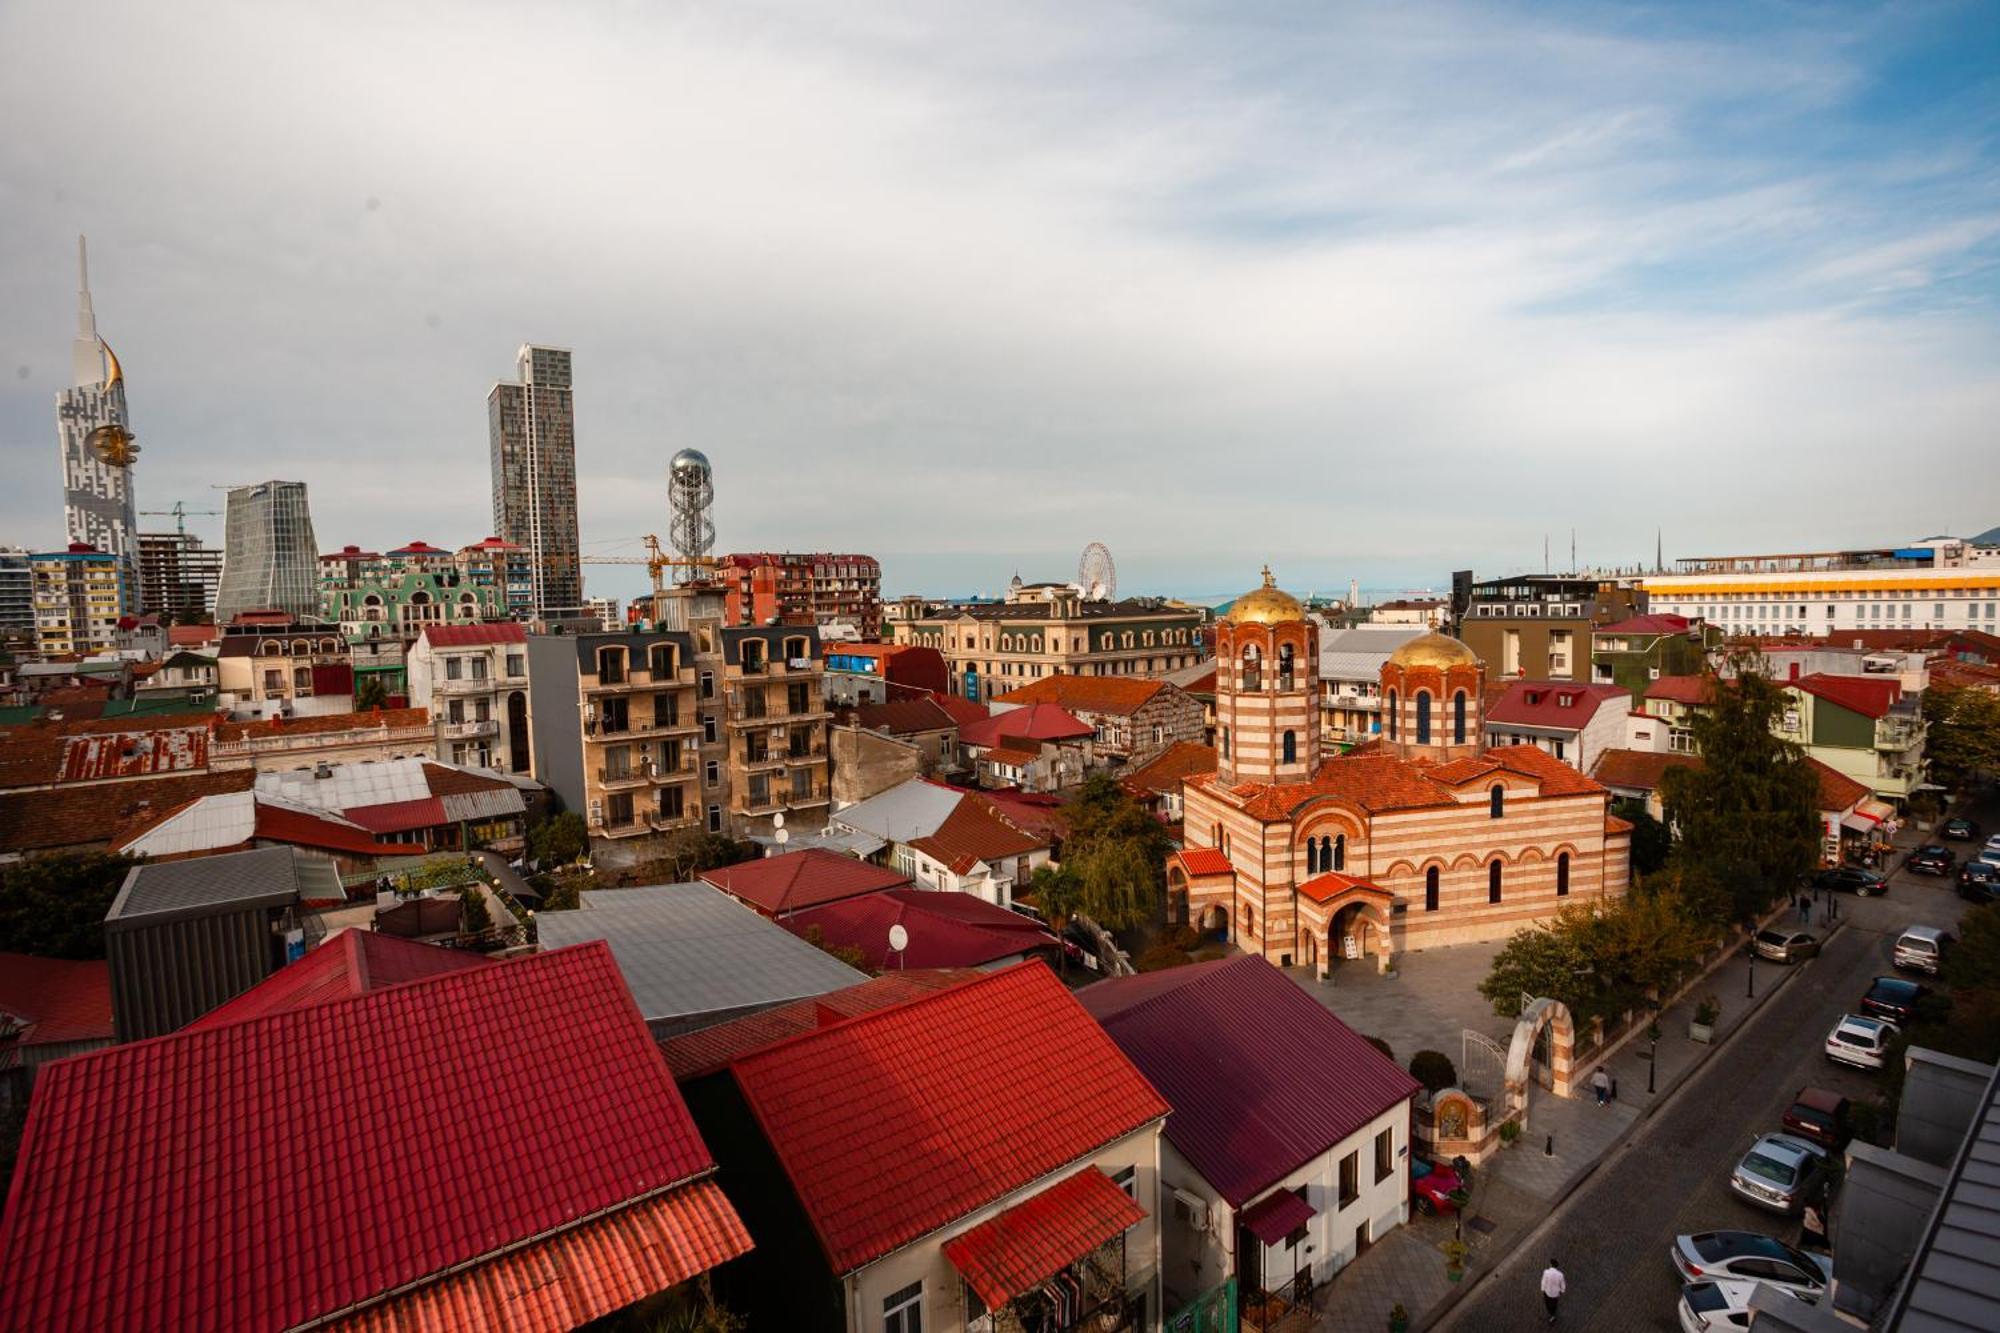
(1248, 917)
(454, 668)
(903, 1311)
(1458, 718)
(1127, 1179)
(711, 774)
(1431, 889)
(1423, 717)
(1350, 1178)
(1493, 882)
(611, 666)
(708, 728)
(672, 802)
(1562, 875)
(517, 664)
(1291, 744)
(1497, 805)
(1252, 677)
(715, 819)
(1339, 858)
(1385, 1155)
(708, 684)
(1225, 742)
(660, 661)
(1559, 749)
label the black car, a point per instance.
(1851, 879)
(1894, 999)
(1959, 830)
(1931, 860)
(1979, 882)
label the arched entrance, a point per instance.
(1540, 1018)
(1214, 921)
(517, 732)
(1352, 935)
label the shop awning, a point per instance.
(1856, 822)
(1875, 810)
(1018, 1250)
(1273, 1218)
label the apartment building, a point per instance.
(990, 648)
(504, 567)
(78, 594)
(1538, 626)
(271, 664)
(787, 588)
(474, 680)
(1940, 584)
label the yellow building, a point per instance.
(1039, 631)
(78, 596)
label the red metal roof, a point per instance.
(399, 816)
(709, 1050)
(1273, 1218)
(961, 710)
(974, 832)
(798, 880)
(1273, 1111)
(135, 753)
(354, 962)
(58, 999)
(1034, 722)
(1870, 696)
(1544, 703)
(893, 1124)
(418, 547)
(277, 823)
(1201, 861)
(260, 1174)
(945, 929)
(1679, 689)
(903, 717)
(1122, 695)
(472, 636)
(1017, 1250)
(1659, 623)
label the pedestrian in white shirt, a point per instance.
(1601, 1081)
(1553, 1287)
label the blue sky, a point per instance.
(1368, 290)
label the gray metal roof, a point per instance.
(167, 890)
(1955, 1274)
(1358, 653)
(905, 812)
(688, 949)
(863, 845)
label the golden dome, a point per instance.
(1268, 605)
(1434, 650)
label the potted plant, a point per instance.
(1510, 1131)
(1454, 1258)
(1701, 1027)
(1399, 1318)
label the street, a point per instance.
(1671, 1177)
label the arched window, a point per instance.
(1562, 875)
(1431, 889)
(1338, 861)
(1393, 725)
(1218, 834)
(1497, 805)
(1225, 742)
(1285, 666)
(1291, 747)
(1248, 917)
(1423, 717)
(1493, 882)
(1458, 718)
(1253, 669)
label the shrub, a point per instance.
(1434, 1070)
(1185, 938)
(1707, 1010)
(474, 915)
(1510, 1131)
(1381, 1046)
(1161, 956)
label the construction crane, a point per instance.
(657, 562)
(179, 514)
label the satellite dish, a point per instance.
(899, 939)
(782, 836)
(778, 820)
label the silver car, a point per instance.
(1708, 1307)
(1710, 1256)
(1860, 1041)
(1786, 946)
(1780, 1172)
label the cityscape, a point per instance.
(1218, 671)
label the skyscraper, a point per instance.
(97, 449)
(269, 559)
(532, 424)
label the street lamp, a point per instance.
(1652, 1053)
(1750, 973)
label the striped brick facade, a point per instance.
(1267, 689)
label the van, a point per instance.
(1922, 949)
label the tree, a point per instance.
(1054, 889)
(1117, 852)
(686, 853)
(1748, 815)
(1963, 737)
(474, 915)
(1600, 961)
(54, 906)
(370, 693)
(1651, 840)
(1551, 958)
(1974, 963)
(1434, 1070)
(558, 840)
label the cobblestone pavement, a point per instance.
(1433, 996)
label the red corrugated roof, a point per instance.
(399, 816)
(797, 880)
(472, 636)
(961, 710)
(1679, 689)
(709, 1050)
(1659, 623)
(972, 833)
(354, 962)
(277, 823)
(1034, 722)
(896, 1123)
(1870, 696)
(281, 1169)
(1277, 1216)
(1248, 1110)
(59, 999)
(134, 753)
(1544, 703)
(903, 717)
(1200, 861)
(945, 929)
(1017, 1250)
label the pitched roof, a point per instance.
(81, 816)
(1273, 1112)
(946, 930)
(1201, 861)
(399, 816)
(1639, 770)
(164, 890)
(1658, 623)
(1017, 1250)
(1122, 695)
(1680, 689)
(972, 833)
(577, 1115)
(138, 752)
(1543, 703)
(1035, 722)
(1376, 781)
(792, 881)
(190, 636)
(898, 1122)
(1163, 772)
(1010, 756)
(1870, 696)
(59, 1000)
(1039, 814)
(907, 811)
(214, 823)
(904, 717)
(709, 1050)
(324, 722)
(473, 636)
(961, 710)
(351, 962)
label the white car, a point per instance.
(1860, 1041)
(1711, 1306)
(1726, 1257)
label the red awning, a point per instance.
(1277, 1216)
(1031, 1242)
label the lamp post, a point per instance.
(1652, 1053)
(1750, 973)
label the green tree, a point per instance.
(688, 852)
(1601, 961)
(558, 839)
(1974, 964)
(1117, 852)
(370, 693)
(1963, 738)
(54, 906)
(1651, 840)
(1748, 816)
(474, 915)
(1552, 958)
(1054, 889)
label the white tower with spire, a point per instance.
(98, 504)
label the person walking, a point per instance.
(1805, 910)
(1601, 1081)
(1812, 1229)
(1553, 1287)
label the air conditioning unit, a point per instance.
(1192, 1208)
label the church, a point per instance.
(1424, 836)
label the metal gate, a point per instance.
(1482, 1064)
(1214, 1311)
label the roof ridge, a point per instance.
(1215, 967)
(849, 1020)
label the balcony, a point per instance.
(690, 818)
(629, 827)
(459, 731)
(684, 723)
(465, 685)
(635, 776)
(769, 759)
(1895, 734)
(747, 802)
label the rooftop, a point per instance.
(1119, 695)
(473, 636)
(88, 815)
(1643, 625)
(710, 1050)
(1373, 780)
(1553, 704)
(1679, 689)
(168, 890)
(974, 832)
(945, 929)
(57, 1001)
(1164, 772)
(904, 717)
(792, 881)
(1870, 696)
(348, 963)
(1031, 721)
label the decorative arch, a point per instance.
(1466, 861)
(1403, 868)
(1538, 1014)
(1530, 855)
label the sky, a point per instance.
(1362, 290)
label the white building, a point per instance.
(1940, 583)
(1575, 723)
(474, 681)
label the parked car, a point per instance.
(1931, 860)
(1432, 1184)
(1922, 949)
(1978, 882)
(1993, 843)
(1779, 1172)
(1709, 1307)
(1786, 946)
(1712, 1256)
(1819, 1115)
(1959, 830)
(1851, 879)
(1893, 998)
(1860, 1041)
(1989, 857)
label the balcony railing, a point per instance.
(629, 827)
(688, 818)
(1898, 733)
(464, 730)
(466, 685)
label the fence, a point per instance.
(1214, 1311)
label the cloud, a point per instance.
(1377, 290)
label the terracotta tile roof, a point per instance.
(83, 816)
(1200, 862)
(1015, 1251)
(190, 636)
(1374, 782)
(709, 1050)
(893, 1124)
(1273, 1112)
(1679, 689)
(59, 1000)
(946, 930)
(775, 885)
(1008, 755)
(1325, 888)
(961, 710)
(353, 962)
(1038, 814)
(1613, 824)
(1638, 770)
(144, 721)
(578, 1117)
(972, 833)
(324, 722)
(1659, 623)
(1163, 773)
(1460, 771)
(1837, 791)
(1870, 696)
(30, 757)
(904, 717)
(1121, 695)
(1953, 674)
(1036, 722)
(134, 753)
(1543, 703)
(1557, 778)
(474, 636)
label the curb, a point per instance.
(1433, 1316)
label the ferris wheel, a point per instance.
(1096, 575)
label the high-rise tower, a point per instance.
(97, 448)
(532, 424)
(269, 560)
